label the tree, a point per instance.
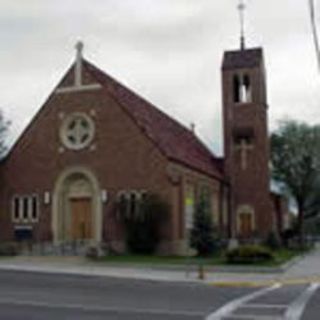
(312, 208)
(202, 232)
(295, 155)
(142, 218)
(4, 125)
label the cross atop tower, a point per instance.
(242, 8)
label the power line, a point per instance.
(314, 30)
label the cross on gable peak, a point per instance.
(78, 68)
(79, 47)
(78, 72)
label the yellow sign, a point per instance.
(189, 201)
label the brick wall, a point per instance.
(121, 157)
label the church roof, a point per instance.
(239, 59)
(174, 140)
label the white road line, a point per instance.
(266, 306)
(229, 308)
(254, 317)
(82, 307)
(296, 309)
(245, 317)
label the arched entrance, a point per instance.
(77, 208)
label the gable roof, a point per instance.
(248, 58)
(175, 141)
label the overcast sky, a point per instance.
(169, 51)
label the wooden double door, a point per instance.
(81, 218)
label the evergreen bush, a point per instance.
(202, 233)
(273, 242)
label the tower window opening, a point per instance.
(247, 89)
(236, 89)
(242, 89)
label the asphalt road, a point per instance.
(43, 296)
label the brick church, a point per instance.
(94, 140)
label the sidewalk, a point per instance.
(306, 270)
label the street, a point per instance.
(25, 295)
(287, 302)
(39, 296)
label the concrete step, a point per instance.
(49, 249)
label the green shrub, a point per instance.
(249, 254)
(8, 249)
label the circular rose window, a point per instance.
(77, 131)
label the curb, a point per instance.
(244, 284)
(90, 272)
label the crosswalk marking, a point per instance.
(229, 308)
(296, 309)
(292, 311)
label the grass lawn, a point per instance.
(159, 260)
(281, 256)
(284, 255)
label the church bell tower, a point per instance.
(246, 142)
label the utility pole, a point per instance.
(312, 8)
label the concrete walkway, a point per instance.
(309, 266)
(306, 270)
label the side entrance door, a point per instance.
(246, 225)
